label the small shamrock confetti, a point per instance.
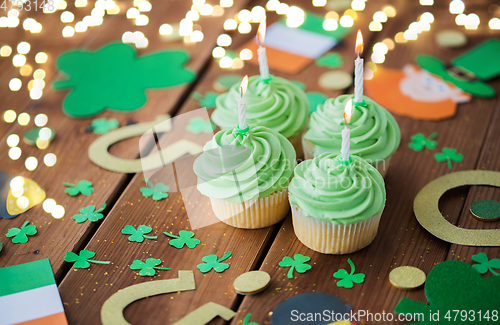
(348, 279)
(485, 264)
(211, 262)
(21, 235)
(158, 191)
(89, 213)
(298, 263)
(184, 238)
(247, 319)
(419, 142)
(82, 259)
(449, 155)
(84, 187)
(330, 60)
(315, 98)
(148, 268)
(139, 234)
(198, 125)
(207, 100)
(103, 125)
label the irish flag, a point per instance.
(29, 295)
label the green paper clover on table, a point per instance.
(247, 319)
(148, 268)
(184, 238)
(103, 125)
(207, 100)
(419, 142)
(485, 264)
(113, 77)
(296, 263)
(21, 235)
(330, 60)
(82, 259)
(89, 213)
(158, 191)
(139, 234)
(84, 187)
(211, 262)
(348, 279)
(198, 125)
(449, 155)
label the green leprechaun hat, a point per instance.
(470, 70)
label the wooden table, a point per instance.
(474, 132)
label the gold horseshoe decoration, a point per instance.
(428, 215)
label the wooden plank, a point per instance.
(401, 240)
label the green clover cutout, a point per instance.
(184, 238)
(247, 319)
(348, 279)
(82, 259)
(148, 268)
(207, 100)
(139, 234)
(315, 98)
(158, 191)
(21, 235)
(485, 264)
(113, 77)
(449, 154)
(297, 264)
(84, 187)
(89, 213)
(198, 125)
(211, 262)
(419, 142)
(330, 60)
(103, 125)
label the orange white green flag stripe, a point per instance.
(29, 295)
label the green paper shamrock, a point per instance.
(21, 235)
(139, 234)
(419, 142)
(148, 268)
(89, 213)
(84, 187)
(452, 287)
(348, 279)
(207, 100)
(247, 319)
(198, 125)
(315, 98)
(449, 155)
(103, 125)
(113, 77)
(330, 60)
(158, 191)
(184, 238)
(82, 259)
(297, 263)
(485, 264)
(211, 262)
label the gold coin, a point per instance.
(451, 38)
(407, 277)
(251, 282)
(336, 80)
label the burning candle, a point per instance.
(346, 133)
(242, 107)
(358, 71)
(261, 51)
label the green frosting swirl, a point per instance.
(375, 134)
(276, 103)
(238, 167)
(328, 190)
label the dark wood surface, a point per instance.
(474, 132)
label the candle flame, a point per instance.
(359, 43)
(244, 85)
(261, 32)
(348, 111)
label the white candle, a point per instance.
(261, 51)
(346, 133)
(242, 107)
(358, 70)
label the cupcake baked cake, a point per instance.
(275, 103)
(246, 174)
(375, 134)
(336, 205)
